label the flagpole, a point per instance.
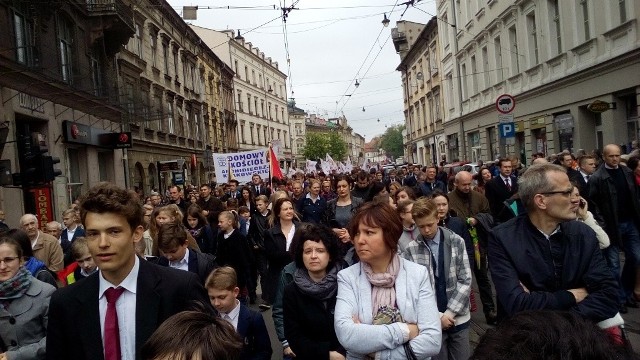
(270, 170)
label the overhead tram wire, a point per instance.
(355, 78)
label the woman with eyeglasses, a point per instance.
(24, 306)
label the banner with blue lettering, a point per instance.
(242, 165)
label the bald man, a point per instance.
(613, 200)
(474, 208)
(45, 247)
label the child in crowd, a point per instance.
(86, 265)
(223, 290)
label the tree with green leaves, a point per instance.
(320, 144)
(391, 141)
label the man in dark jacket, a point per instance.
(613, 197)
(544, 259)
(499, 189)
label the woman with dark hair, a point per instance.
(394, 295)
(192, 335)
(376, 188)
(277, 241)
(312, 206)
(311, 297)
(24, 304)
(36, 267)
(199, 228)
(404, 193)
(481, 179)
(247, 199)
(340, 211)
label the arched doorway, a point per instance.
(153, 177)
(138, 178)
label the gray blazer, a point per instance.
(26, 335)
(416, 301)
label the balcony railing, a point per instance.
(111, 7)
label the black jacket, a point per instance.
(603, 201)
(258, 225)
(308, 325)
(329, 217)
(520, 254)
(200, 264)
(496, 192)
(233, 251)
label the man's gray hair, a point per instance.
(535, 181)
(55, 224)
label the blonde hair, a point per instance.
(233, 216)
(222, 278)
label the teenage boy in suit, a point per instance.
(222, 286)
(83, 323)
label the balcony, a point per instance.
(113, 21)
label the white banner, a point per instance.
(242, 165)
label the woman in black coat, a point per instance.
(232, 249)
(309, 301)
(277, 241)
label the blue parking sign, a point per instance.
(507, 130)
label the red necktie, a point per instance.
(111, 331)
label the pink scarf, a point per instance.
(383, 285)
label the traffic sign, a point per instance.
(507, 130)
(505, 103)
(505, 118)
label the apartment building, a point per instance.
(58, 88)
(260, 93)
(420, 68)
(572, 67)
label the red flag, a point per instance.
(274, 165)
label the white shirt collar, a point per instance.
(130, 283)
(505, 178)
(552, 233)
(181, 262)
(226, 235)
(233, 314)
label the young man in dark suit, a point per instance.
(223, 290)
(111, 313)
(499, 189)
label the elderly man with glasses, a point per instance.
(544, 259)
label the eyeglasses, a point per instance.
(8, 260)
(565, 193)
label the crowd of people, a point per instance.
(366, 265)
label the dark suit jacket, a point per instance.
(234, 251)
(263, 191)
(252, 329)
(74, 320)
(577, 178)
(66, 244)
(496, 192)
(199, 263)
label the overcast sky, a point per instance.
(329, 41)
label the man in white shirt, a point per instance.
(81, 319)
(174, 247)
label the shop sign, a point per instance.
(598, 106)
(537, 123)
(31, 102)
(76, 133)
(44, 205)
(564, 121)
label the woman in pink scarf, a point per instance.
(386, 306)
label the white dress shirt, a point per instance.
(290, 236)
(71, 232)
(126, 309)
(232, 316)
(182, 264)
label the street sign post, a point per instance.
(507, 130)
(505, 103)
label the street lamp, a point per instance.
(385, 21)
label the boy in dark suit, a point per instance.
(174, 247)
(111, 313)
(222, 286)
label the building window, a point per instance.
(277, 113)
(264, 130)
(239, 92)
(242, 132)
(584, 14)
(533, 39)
(622, 6)
(198, 119)
(255, 104)
(153, 37)
(262, 108)
(498, 52)
(165, 57)
(246, 73)
(445, 32)
(176, 63)
(249, 103)
(137, 40)
(463, 74)
(187, 121)
(65, 46)
(261, 84)
(235, 64)
(555, 33)
(253, 141)
(270, 117)
(485, 67)
(157, 103)
(170, 114)
(513, 43)
(474, 79)
(96, 76)
(436, 100)
(253, 77)
(25, 46)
